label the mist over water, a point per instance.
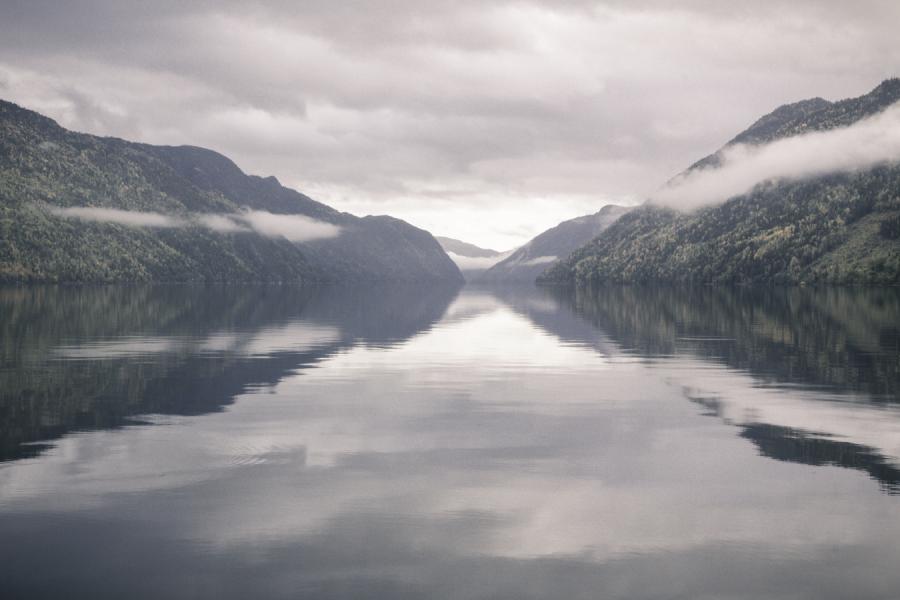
(282, 442)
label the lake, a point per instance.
(428, 442)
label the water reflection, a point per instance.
(491, 444)
(847, 339)
(93, 357)
(782, 443)
(815, 348)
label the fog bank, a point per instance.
(540, 260)
(861, 146)
(295, 228)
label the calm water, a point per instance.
(274, 442)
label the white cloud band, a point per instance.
(296, 228)
(865, 144)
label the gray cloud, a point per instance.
(865, 144)
(542, 111)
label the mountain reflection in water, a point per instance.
(94, 357)
(391, 442)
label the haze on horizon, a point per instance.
(487, 124)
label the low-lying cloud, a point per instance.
(295, 228)
(863, 145)
(128, 218)
(540, 260)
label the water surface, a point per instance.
(407, 442)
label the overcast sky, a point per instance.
(488, 122)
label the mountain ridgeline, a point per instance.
(80, 208)
(841, 228)
(472, 260)
(466, 249)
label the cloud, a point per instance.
(128, 218)
(865, 144)
(540, 260)
(570, 105)
(295, 228)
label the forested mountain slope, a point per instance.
(838, 228)
(81, 208)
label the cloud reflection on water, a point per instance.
(503, 450)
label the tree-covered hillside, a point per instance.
(841, 228)
(45, 168)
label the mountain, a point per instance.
(530, 260)
(465, 249)
(839, 228)
(471, 260)
(76, 207)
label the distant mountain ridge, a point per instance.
(465, 249)
(46, 170)
(839, 228)
(471, 259)
(531, 259)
